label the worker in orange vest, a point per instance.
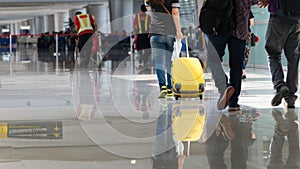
(85, 25)
(141, 23)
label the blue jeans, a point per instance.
(162, 48)
(164, 142)
(236, 48)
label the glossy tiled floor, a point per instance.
(112, 119)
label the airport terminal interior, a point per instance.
(54, 114)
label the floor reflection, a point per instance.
(112, 118)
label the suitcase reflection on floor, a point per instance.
(188, 123)
(180, 122)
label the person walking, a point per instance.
(165, 26)
(248, 45)
(286, 125)
(85, 25)
(283, 34)
(235, 38)
(141, 25)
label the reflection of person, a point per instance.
(85, 25)
(87, 105)
(230, 89)
(238, 132)
(285, 126)
(217, 143)
(283, 34)
(71, 44)
(165, 26)
(164, 149)
(143, 101)
(141, 24)
(241, 126)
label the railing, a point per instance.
(58, 49)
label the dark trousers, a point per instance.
(85, 48)
(283, 34)
(236, 49)
(215, 147)
(285, 127)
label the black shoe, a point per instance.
(277, 115)
(169, 93)
(234, 108)
(282, 125)
(279, 95)
(290, 104)
(291, 115)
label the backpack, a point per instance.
(288, 8)
(217, 17)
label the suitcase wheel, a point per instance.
(201, 87)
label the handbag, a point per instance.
(176, 49)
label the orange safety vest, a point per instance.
(85, 23)
(142, 17)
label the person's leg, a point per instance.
(85, 48)
(236, 49)
(275, 157)
(214, 148)
(292, 55)
(246, 58)
(163, 139)
(216, 50)
(139, 48)
(238, 158)
(276, 37)
(145, 46)
(169, 49)
(293, 140)
(158, 50)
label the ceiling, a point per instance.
(18, 10)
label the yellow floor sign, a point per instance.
(31, 130)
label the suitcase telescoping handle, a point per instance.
(180, 148)
(187, 47)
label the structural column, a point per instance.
(49, 23)
(101, 14)
(39, 24)
(59, 19)
(127, 14)
(17, 27)
(31, 24)
(116, 12)
(12, 29)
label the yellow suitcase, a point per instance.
(188, 123)
(188, 78)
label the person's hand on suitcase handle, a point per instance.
(179, 35)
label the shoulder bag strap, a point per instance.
(165, 8)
